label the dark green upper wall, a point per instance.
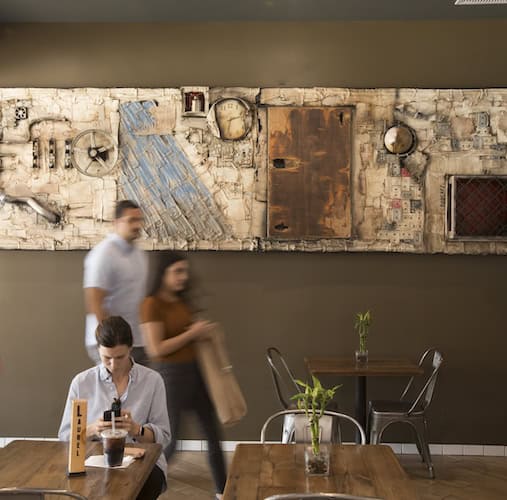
(304, 303)
(348, 54)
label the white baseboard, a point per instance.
(398, 448)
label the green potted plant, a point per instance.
(314, 400)
(362, 326)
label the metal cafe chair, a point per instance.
(283, 378)
(36, 494)
(317, 496)
(285, 385)
(413, 412)
(299, 430)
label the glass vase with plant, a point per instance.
(314, 400)
(362, 326)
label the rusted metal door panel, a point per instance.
(309, 172)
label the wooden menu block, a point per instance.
(77, 442)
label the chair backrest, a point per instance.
(334, 414)
(317, 496)
(423, 399)
(36, 494)
(283, 378)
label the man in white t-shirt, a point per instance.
(115, 275)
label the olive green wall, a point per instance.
(303, 303)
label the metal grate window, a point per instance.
(477, 207)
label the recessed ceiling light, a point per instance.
(480, 2)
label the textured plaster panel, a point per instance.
(282, 97)
(458, 132)
(249, 94)
(16, 93)
(124, 94)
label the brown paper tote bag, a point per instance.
(220, 380)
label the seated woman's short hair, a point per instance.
(113, 331)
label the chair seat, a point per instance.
(394, 407)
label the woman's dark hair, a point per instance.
(164, 260)
(113, 331)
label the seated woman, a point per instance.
(140, 390)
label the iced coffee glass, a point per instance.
(113, 442)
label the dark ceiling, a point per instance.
(238, 10)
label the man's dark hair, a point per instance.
(123, 205)
(113, 331)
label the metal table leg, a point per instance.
(360, 405)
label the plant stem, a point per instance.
(362, 343)
(314, 426)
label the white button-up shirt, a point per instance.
(145, 399)
(120, 269)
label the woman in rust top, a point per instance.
(169, 331)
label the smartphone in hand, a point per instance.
(109, 413)
(115, 409)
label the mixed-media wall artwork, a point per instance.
(315, 169)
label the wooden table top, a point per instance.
(43, 464)
(259, 470)
(374, 367)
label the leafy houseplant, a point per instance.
(314, 400)
(362, 326)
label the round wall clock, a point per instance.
(230, 118)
